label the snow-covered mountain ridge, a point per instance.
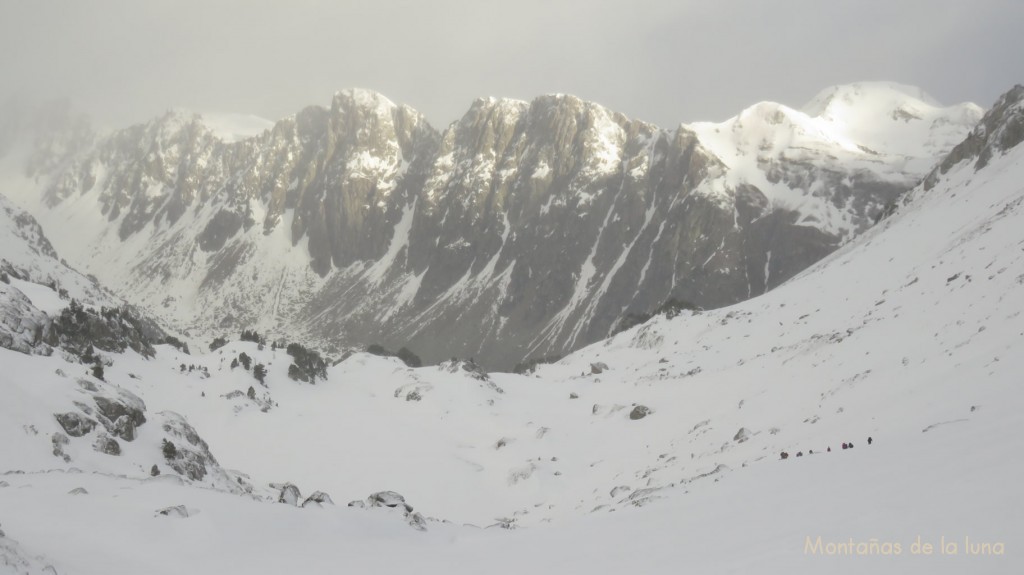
(525, 229)
(887, 131)
(910, 334)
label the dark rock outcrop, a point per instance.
(79, 329)
(639, 412)
(75, 424)
(125, 404)
(1000, 129)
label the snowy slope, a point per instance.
(26, 254)
(912, 334)
(757, 521)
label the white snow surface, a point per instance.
(911, 334)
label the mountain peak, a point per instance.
(363, 99)
(834, 99)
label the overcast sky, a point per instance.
(661, 61)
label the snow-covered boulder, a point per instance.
(416, 521)
(179, 511)
(395, 501)
(124, 428)
(106, 444)
(382, 499)
(288, 493)
(190, 455)
(388, 499)
(317, 499)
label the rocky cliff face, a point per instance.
(523, 230)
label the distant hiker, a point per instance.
(799, 453)
(869, 441)
(810, 452)
(851, 445)
(784, 455)
(844, 445)
(829, 449)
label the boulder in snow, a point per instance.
(416, 521)
(106, 444)
(191, 455)
(75, 424)
(123, 403)
(288, 493)
(742, 435)
(388, 499)
(639, 412)
(392, 500)
(124, 428)
(317, 499)
(174, 511)
(59, 441)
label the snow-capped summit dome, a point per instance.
(859, 95)
(890, 118)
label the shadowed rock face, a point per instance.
(1000, 129)
(523, 230)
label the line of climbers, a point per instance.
(846, 445)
